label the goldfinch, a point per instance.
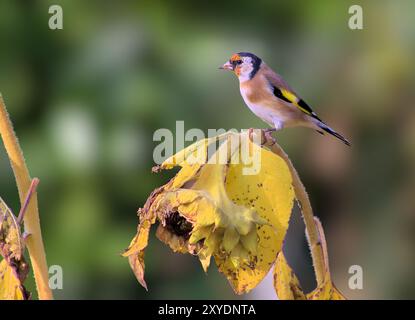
(270, 98)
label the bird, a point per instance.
(271, 99)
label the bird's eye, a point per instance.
(236, 62)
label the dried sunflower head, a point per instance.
(211, 208)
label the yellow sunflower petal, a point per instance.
(11, 286)
(270, 193)
(196, 153)
(286, 283)
(135, 252)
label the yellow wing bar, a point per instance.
(290, 97)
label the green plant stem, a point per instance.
(31, 218)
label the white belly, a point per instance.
(276, 117)
(262, 113)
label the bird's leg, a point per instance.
(268, 138)
(269, 130)
(266, 135)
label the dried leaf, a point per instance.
(13, 268)
(196, 153)
(11, 244)
(135, 251)
(270, 194)
(11, 282)
(286, 282)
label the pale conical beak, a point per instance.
(227, 66)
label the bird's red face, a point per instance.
(244, 64)
(234, 64)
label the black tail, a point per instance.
(327, 129)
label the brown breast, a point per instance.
(256, 90)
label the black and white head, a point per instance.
(244, 64)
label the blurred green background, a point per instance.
(86, 100)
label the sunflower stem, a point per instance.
(31, 218)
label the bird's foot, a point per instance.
(268, 140)
(266, 136)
